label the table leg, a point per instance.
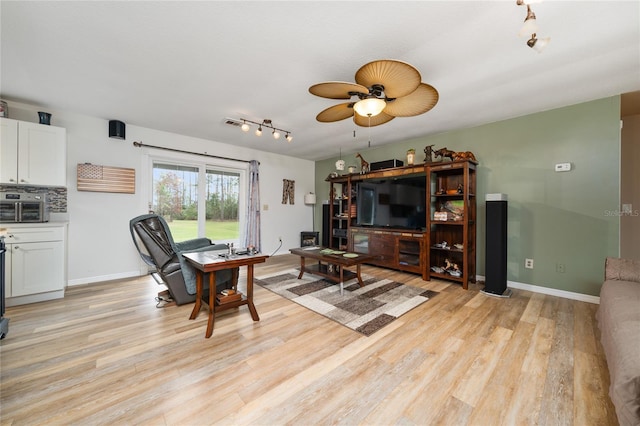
(196, 306)
(358, 275)
(341, 280)
(252, 308)
(212, 304)
(301, 267)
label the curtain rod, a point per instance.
(140, 144)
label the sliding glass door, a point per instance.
(199, 200)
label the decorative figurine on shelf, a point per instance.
(455, 156)
(464, 155)
(444, 153)
(452, 268)
(411, 155)
(364, 166)
(428, 154)
(460, 190)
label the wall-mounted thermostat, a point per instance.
(563, 167)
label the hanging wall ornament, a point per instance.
(288, 191)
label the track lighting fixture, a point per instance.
(245, 125)
(531, 27)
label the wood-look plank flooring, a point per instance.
(106, 355)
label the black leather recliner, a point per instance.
(152, 238)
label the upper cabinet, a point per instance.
(32, 153)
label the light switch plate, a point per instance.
(563, 167)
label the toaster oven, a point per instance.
(22, 207)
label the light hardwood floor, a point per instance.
(106, 355)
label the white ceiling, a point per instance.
(184, 66)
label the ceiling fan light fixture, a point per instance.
(385, 89)
(369, 107)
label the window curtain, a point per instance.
(252, 231)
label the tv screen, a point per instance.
(397, 202)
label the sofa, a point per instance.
(619, 322)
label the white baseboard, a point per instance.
(34, 298)
(550, 291)
(101, 278)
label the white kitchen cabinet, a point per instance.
(32, 153)
(35, 263)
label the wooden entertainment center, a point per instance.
(418, 218)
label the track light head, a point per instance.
(259, 131)
(538, 44)
(530, 25)
(245, 127)
(276, 135)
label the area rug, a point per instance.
(363, 309)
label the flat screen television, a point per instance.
(397, 202)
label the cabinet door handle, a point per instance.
(23, 181)
(12, 180)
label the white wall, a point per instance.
(100, 246)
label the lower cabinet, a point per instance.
(35, 263)
(405, 251)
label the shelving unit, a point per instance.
(452, 221)
(342, 212)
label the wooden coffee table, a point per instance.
(332, 266)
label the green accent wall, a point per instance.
(556, 218)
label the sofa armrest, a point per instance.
(193, 244)
(622, 269)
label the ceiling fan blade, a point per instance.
(337, 89)
(398, 78)
(375, 120)
(420, 101)
(336, 113)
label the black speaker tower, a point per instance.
(496, 246)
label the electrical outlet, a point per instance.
(528, 263)
(560, 268)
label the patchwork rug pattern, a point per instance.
(363, 309)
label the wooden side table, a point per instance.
(206, 262)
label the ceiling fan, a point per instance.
(385, 89)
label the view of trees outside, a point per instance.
(175, 197)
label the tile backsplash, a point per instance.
(56, 196)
